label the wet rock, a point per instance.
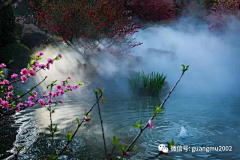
(33, 37)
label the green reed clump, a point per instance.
(148, 84)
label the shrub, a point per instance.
(19, 53)
(151, 84)
(7, 26)
(151, 10)
(220, 9)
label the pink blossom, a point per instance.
(48, 66)
(42, 66)
(51, 101)
(50, 60)
(62, 92)
(5, 81)
(36, 64)
(69, 77)
(32, 73)
(18, 106)
(127, 153)
(2, 65)
(61, 101)
(14, 76)
(10, 87)
(24, 79)
(82, 84)
(68, 86)
(33, 67)
(41, 53)
(31, 104)
(35, 93)
(0, 100)
(9, 93)
(15, 5)
(7, 97)
(18, 96)
(150, 125)
(41, 101)
(5, 104)
(24, 71)
(30, 98)
(59, 87)
(54, 95)
(2, 83)
(38, 55)
(63, 83)
(86, 119)
(75, 87)
(59, 55)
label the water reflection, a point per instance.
(201, 128)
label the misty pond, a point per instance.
(203, 110)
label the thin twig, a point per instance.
(100, 116)
(34, 87)
(161, 106)
(79, 125)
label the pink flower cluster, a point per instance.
(12, 101)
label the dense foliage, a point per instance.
(7, 26)
(15, 52)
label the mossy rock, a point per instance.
(19, 53)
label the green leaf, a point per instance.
(138, 125)
(48, 86)
(65, 90)
(115, 140)
(12, 103)
(50, 128)
(20, 148)
(80, 83)
(158, 110)
(53, 157)
(57, 58)
(10, 61)
(53, 111)
(131, 148)
(57, 103)
(77, 120)
(28, 65)
(32, 62)
(31, 93)
(123, 148)
(69, 136)
(54, 82)
(55, 129)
